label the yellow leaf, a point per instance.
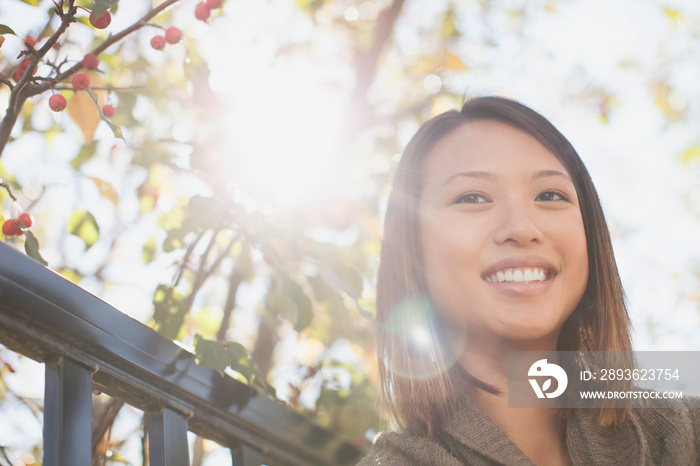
(691, 153)
(674, 15)
(453, 62)
(106, 189)
(82, 110)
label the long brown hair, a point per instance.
(419, 382)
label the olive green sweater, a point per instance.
(650, 436)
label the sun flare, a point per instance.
(285, 137)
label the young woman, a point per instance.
(495, 241)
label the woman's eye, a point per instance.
(550, 196)
(471, 198)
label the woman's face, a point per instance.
(503, 242)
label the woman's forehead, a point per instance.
(488, 149)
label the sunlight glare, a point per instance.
(284, 139)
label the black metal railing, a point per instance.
(87, 345)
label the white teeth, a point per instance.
(524, 275)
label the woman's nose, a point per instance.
(517, 225)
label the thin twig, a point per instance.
(186, 258)
(99, 88)
(203, 273)
(2, 449)
(8, 189)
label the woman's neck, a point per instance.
(539, 432)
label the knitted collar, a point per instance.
(588, 443)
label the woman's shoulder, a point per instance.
(399, 449)
(672, 428)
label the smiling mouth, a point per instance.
(521, 275)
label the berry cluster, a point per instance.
(16, 226)
(203, 9)
(172, 36)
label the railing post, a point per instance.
(246, 455)
(67, 414)
(167, 439)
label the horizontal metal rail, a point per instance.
(86, 343)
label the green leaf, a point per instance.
(6, 30)
(116, 130)
(218, 356)
(85, 154)
(244, 263)
(343, 278)
(83, 225)
(309, 5)
(287, 298)
(149, 250)
(330, 398)
(31, 2)
(100, 6)
(31, 246)
(205, 212)
(168, 311)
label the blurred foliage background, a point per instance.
(241, 212)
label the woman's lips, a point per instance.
(519, 275)
(521, 280)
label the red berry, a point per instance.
(30, 41)
(212, 4)
(11, 227)
(201, 11)
(19, 71)
(80, 81)
(101, 22)
(108, 111)
(57, 103)
(26, 220)
(173, 35)
(17, 74)
(90, 61)
(158, 42)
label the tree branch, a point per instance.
(25, 88)
(235, 280)
(366, 61)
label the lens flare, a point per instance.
(420, 347)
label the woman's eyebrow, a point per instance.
(546, 173)
(490, 176)
(470, 174)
